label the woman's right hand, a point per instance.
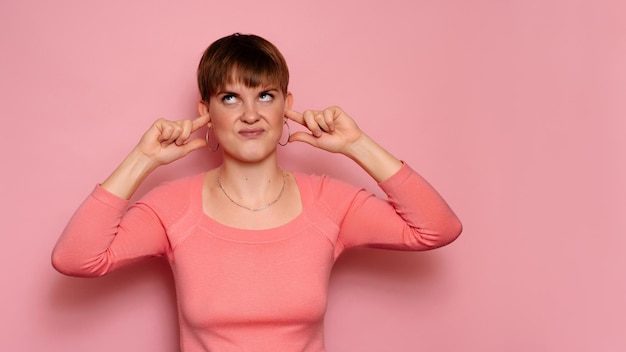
(166, 141)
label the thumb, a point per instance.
(303, 137)
(194, 144)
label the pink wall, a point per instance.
(515, 110)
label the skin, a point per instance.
(248, 123)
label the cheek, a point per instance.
(277, 111)
(220, 116)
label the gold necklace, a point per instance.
(219, 183)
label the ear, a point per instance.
(289, 100)
(288, 103)
(203, 109)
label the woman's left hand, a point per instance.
(331, 129)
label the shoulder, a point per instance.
(171, 190)
(326, 193)
(324, 185)
(169, 200)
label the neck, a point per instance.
(253, 185)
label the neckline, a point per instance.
(235, 234)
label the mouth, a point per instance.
(251, 133)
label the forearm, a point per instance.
(164, 142)
(414, 216)
(129, 175)
(104, 234)
(374, 159)
(83, 248)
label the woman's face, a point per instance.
(248, 122)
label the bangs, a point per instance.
(248, 60)
(252, 76)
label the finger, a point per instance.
(164, 129)
(310, 121)
(194, 144)
(303, 137)
(294, 116)
(320, 118)
(170, 132)
(329, 119)
(199, 122)
(176, 132)
(185, 132)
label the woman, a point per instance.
(251, 245)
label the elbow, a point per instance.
(444, 234)
(71, 265)
(59, 263)
(62, 263)
(454, 230)
(451, 231)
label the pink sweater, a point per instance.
(252, 290)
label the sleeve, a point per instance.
(414, 216)
(105, 234)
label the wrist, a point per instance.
(360, 148)
(129, 174)
(374, 159)
(140, 163)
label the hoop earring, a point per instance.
(288, 135)
(206, 137)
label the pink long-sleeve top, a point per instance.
(252, 290)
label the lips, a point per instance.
(251, 133)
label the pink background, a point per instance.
(515, 110)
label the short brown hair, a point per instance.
(246, 58)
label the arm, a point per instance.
(103, 234)
(334, 131)
(165, 142)
(417, 213)
(414, 217)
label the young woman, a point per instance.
(251, 245)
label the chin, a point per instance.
(253, 156)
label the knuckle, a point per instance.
(159, 122)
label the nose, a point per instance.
(250, 114)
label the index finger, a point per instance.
(199, 122)
(294, 116)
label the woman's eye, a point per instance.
(229, 99)
(266, 97)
